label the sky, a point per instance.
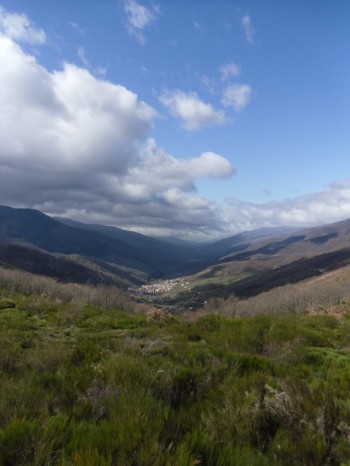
(195, 119)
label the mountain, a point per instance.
(254, 267)
(63, 268)
(106, 246)
(302, 243)
(176, 251)
(242, 241)
(244, 264)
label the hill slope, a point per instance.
(251, 267)
(102, 244)
(245, 264)
(89, 385)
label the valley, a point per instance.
(174, 233)
(177, 276)
(123, 349)
(161, 287)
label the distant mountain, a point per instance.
(158, 257)
(242, 241)
(101, 244)
(302, 243)
(159, 247)
(252, 267)
(244, 264)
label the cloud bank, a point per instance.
(78, 146)
(81, 147)
(327, 206)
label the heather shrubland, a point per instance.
(88, 384)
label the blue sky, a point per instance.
(197, 119)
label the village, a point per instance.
(160, 287)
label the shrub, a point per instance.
(17, 442)
(7, 304)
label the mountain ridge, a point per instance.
(249, 260)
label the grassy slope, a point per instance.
(82, 385)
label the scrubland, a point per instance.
(89, 377)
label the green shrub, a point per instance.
(17, 442)
(7, 304)
(90, 386)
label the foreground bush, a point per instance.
(94, 386)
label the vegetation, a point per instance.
(327, 293)
(89, 382)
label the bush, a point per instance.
(7, 304)
(95, 386)
(17, 442)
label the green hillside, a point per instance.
(89, 377)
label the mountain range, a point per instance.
(244, 264)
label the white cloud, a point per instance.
(236, 96)
(78, 146)
(330, 205)
(18, 26)
(210, 165)
(248, 29)
(138, 18)
(193, 112)
(229, 70)
(62, 120)
(82, 55)
(165, 172)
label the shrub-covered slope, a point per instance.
(94, 385)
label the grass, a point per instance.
(91, 385)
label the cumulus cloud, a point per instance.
(18, 26)
(191, 110)
(327, 206)
(165, 171)
(210, 165)
(229, 70)
(248, 29)
(66, 119)
(236, 96)
(78, 146)
(138, 18)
